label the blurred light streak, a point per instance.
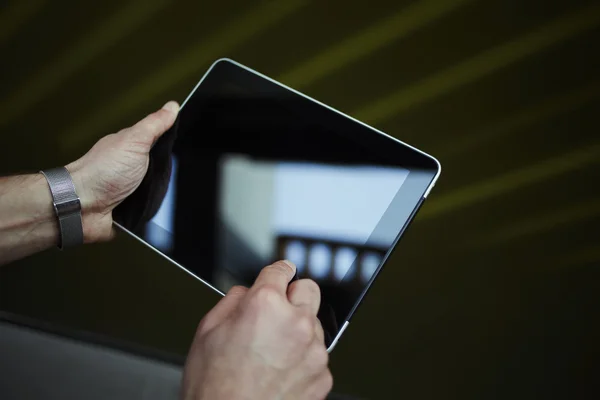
(319, 264)
(15, 15)
(538, 224)
(481, 65)
(369, 263)
(189, 63)
(417, 15)
(343, 259)
(547, 109)
(295, 251)
(123, 22)
(500, 185)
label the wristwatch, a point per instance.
(66, 205)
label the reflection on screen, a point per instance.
(318, 216)
(321, 217)
(160, 231)
(249, 181)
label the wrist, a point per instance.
(96, 219)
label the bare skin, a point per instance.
(273, 334)
(264, 342)
(103, 178)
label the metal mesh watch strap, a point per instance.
(71, 231)
(66, 205)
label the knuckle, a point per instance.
(304, 328)
(111, 136)
(322, 385)
(237, 290)
(264, 297)
(202, 327)
(121, 137)
(312, 287)
(322, 357)
(153, 123)
(319, 358)
(327, 381)
(320, 332)
(120, 133)
(292, 289)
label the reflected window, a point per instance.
(369, 264)
(319, 261)
(295, 251)
(334, 203)
(343, 260)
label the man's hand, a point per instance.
(114, 168)
(103, 177)
(261, 343)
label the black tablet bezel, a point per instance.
(423, 168)
(384, 146)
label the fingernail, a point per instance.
(289, 264)
(171, 106)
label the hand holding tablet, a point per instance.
(253, 172)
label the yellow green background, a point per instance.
(494, 292)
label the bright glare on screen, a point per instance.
(369, 265)
(344, 258)
(295, 251)
(324, 212)
(319, 261)
(333, 202)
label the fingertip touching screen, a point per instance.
(253, 172)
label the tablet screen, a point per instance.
(252, 178)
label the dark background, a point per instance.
(494, 291)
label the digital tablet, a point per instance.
(253, 171)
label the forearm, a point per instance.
(28, 223)
(109, 172)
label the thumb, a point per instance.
(149, 129)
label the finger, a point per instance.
(319, 332)
(277, 276)
(305, 293)
(149, 129)
(320, 387)
(222, 309)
